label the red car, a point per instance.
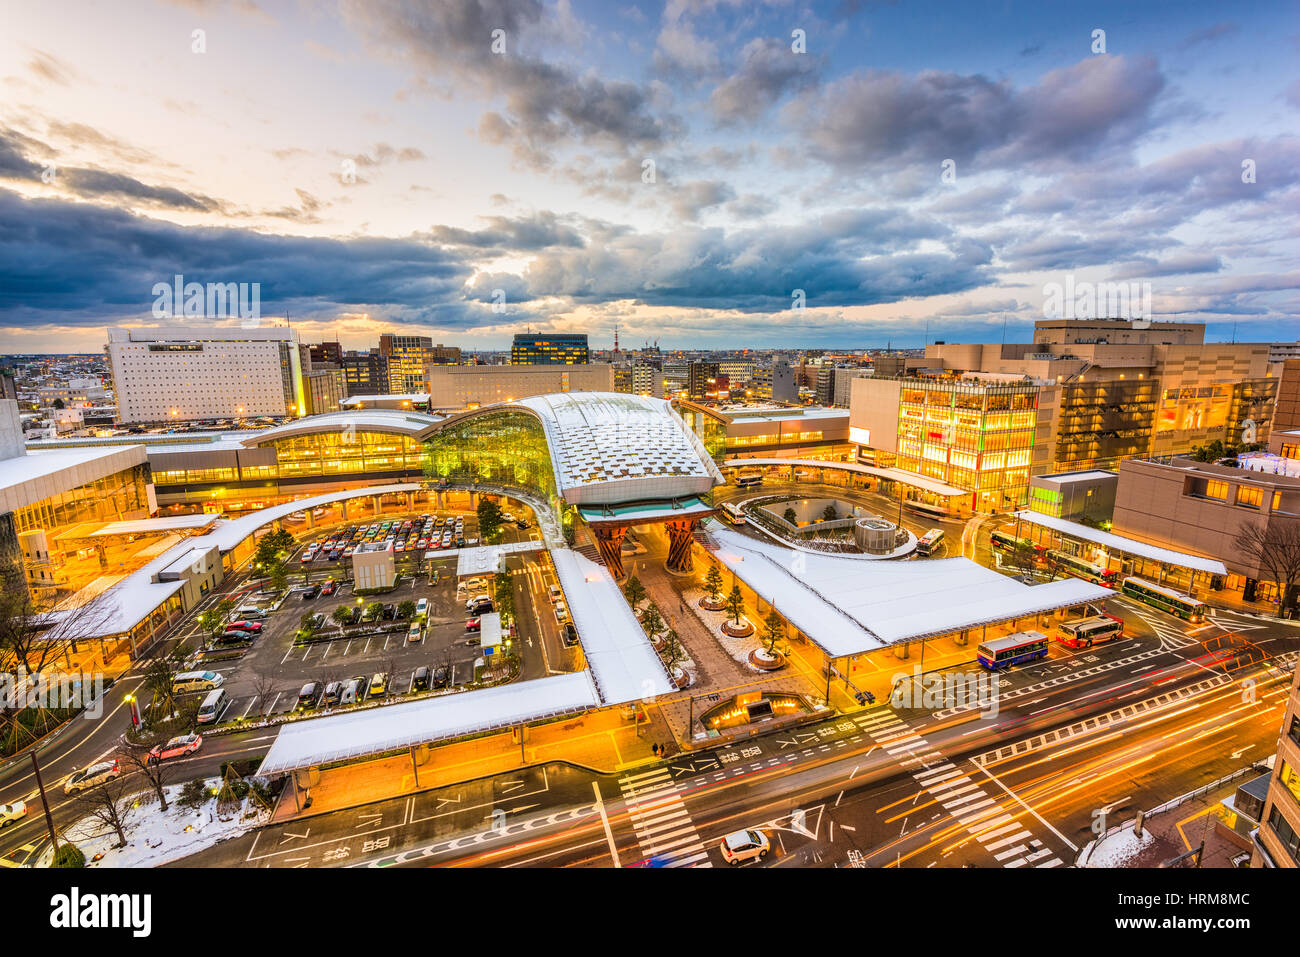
(177, 747)
(253, 626)
(329, 588)
(472, 625)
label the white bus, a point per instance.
(751, 478)
(1086, 632)
(929, 542)
(733, 514)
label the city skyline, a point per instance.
(408, 170)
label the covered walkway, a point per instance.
(1127, 546)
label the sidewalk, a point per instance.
(1174, 832)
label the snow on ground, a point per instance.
(737, 648)
(155, 837)
(1120, 849)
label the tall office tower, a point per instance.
(365, 373)
(181, 374)
(539, 349)
(701, 379)
(408, 355)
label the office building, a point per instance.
(365, 373)
(407, 357)
(776, 382)
(1087, 496)
(326, 352)
(550, 349)
(702, 380)
(1286, 415)
(1277, 840)
(325, 388)
(459, 387)
(182, 374)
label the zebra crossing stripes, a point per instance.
(1006, 839)
(663, 826)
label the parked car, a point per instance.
(354, 690)
(476, 584)
(747, 845)
(570, 634)
(9, 813)
(378, 684)
(176, 747)
(473, 625)
(521, 524)
(92, 776)
(477, 599)
(308, 695)
(253, 626)
(329, 588)
(555, 593)
(318, 620)
(333, 692)
(420, 679)
(440, 675)
(311, 593)
(390, 612)
(483, 607)
(233, 637)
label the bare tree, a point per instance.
(155, 771)
(264, 682)
(112, 804)
(35, 636)
(1275, 550)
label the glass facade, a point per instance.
(502, 447)
(549, 350)
(975, 437)
(711, 431)
(119, 496)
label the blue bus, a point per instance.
(1012, 650)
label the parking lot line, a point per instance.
(251, 702)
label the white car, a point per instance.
(747, 845)
(9, 813)
(91, 776)
(556, 594)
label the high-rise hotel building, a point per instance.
(530, 349)
(180, 374)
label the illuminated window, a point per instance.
(1249, 497)
(1217, 490)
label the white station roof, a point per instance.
(613, 447)
(891, 474)
(148, 526)
(486, 559)
(849, 606)
(1119, 543)
(623, 663)
(317, 741)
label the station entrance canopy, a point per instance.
(1128, 546)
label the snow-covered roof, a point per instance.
(910, 479)
(35, 476)
(613, 447)
(623, 663)
(148, 526)
(487, 559)
(1131, 546)
(360, 420)
(355, 734)
(849, 606)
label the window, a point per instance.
(1294, 731)
(1285, 833)
(1290, 780)
(1217, 490)
(1248, 497)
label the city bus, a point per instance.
(1009, 543)
(1012, 650)
(925, 508)
(1079, 568)
(749, 479)
(1166, 599)
(1086, 632)
(733, 514)
(931, 540)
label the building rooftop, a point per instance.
(1088, 475)
(849, 606)
(1130, 546)
(27, 479)
(610, 447)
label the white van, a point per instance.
(421, 608)
(251, 612)
(197, 681)
(213, 705)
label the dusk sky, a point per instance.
(376, 166)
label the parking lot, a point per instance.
(267, 678)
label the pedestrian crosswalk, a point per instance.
(664, 829)
(1000, 833)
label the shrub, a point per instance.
(69, 855)
(193, 794)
